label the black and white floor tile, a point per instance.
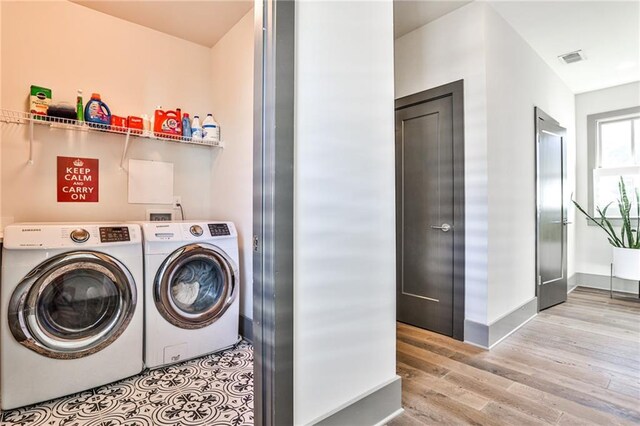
(213, 390)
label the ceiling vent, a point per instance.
(571, 57)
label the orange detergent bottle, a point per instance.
(167, 123)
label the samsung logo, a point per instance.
(31, 230)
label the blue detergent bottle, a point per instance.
(186, 126)
(96, 111)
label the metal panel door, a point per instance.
(552, 212)
(424, 156)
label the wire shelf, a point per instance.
(18, 117)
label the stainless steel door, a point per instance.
(425, 220)
(551, 212)
(73, 305)
(195, 285)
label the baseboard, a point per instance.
(602, 282)
(487, 336)
(246, 328)
(376, 407)
(571, 283)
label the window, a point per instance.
(614, 145)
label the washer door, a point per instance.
(73, 305)
(195, 285)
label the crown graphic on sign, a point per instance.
(78, 163)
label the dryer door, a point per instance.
(195, 285)
(73, 305)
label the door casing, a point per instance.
(273, 161)
(456, 91)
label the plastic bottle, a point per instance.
(210, 129)
(196, 129)
(97, 112)
(146, 125)
(79, 107)
(168, 123)
(152, 121)
(186, 126)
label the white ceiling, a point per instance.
(608, 33)
(411, 14)
(202, 22)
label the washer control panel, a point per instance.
(219, 229)
(79, 235)
(114, 234)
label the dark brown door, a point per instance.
(425, 214)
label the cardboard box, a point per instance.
(40, 100)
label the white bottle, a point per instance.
(152, 122)
(146, 125)
(210, 129)
(196, 129)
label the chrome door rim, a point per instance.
(164, 277)
(23, 314)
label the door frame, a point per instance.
(273, 161)
(456, 91)
(540, 115)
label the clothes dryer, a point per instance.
(191, 289)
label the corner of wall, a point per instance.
(2, 224)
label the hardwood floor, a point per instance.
(574, 364)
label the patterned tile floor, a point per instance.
(214, 390)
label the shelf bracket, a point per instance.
(30, 162)
(125, 149)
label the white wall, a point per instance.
(344, 266)
(504, 79)
(232, 171)
(65, 46)
(593, 252)
(449, 49)
(517, 81)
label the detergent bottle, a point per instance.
(96, 111)
(196, 129)
(210, 129)
(186, 126)
(167, 123)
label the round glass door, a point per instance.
(195, 285)
(73, 305)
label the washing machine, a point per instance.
(71, 309)
(191, 289)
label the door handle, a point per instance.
(445, 227)
(566, 222)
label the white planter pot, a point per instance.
(626, 263)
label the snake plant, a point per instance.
(629, 237)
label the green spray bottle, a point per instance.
(79, 107)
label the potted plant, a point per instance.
(626, 245)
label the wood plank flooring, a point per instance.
(574, 364)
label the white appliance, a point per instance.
(191, 289)
(71, 309)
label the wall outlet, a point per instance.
(177, 200)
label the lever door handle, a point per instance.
(445, 227)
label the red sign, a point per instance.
(77, 180)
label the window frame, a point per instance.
(594, 149)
